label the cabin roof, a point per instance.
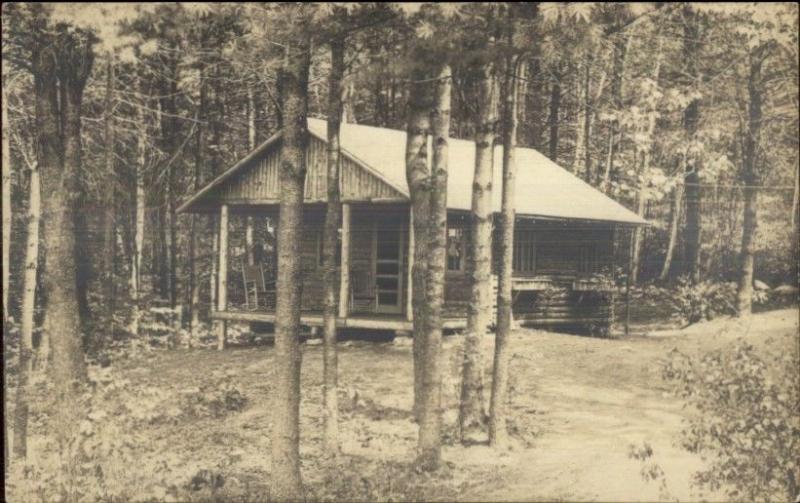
(543, 188)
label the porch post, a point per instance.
(222, 280)
(344, 270)
(409, 273)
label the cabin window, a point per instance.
(456, 248)
(321, 245)
(588, 259)
(524, 252)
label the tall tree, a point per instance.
(752, 145)
(333, 215)
(430, 417)
(515, 77)
(28, 306)
(199, 160)
(646, 148)
(6, 197)
(691, 118)
(76, 60)
(139, 203)
(109, 216)
(472, 413)
(418, 177)
(293, 75)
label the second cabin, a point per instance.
(563, 242)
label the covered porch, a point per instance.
(374, 262)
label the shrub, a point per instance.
(704, 300)
(747, 418)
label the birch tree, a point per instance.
(472, 412)
(514, 81)
(24, 368)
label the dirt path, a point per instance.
(599, 397)
(580, 402)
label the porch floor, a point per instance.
(372, 321)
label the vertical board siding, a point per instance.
(260, 180)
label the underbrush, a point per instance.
(357, 479)
(100, 450)
(746, 420)
(689, 303)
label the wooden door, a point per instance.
(388, 254)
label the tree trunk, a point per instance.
(7, 222)
(472, 414)
(170, 130)
(109, 232)
(199, 159)
(138, 240)
(677, 205)
(251, 145)
(621, 49)
(582, 140)
(418, 176)
(333, 215)
(755, 88)
(796, 193)
(59, 164)
(28, 309)
(553, 117)
(430, 414)
(286, 481)
(498, 435)
(638, 237)
(647, 154)
(691, 117)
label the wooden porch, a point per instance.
(368, 321)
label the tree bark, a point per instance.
(199, 159)
(677, 205)
(68, 63)
(638, 237)
(582, 157)
(63, 320)
(498, 434)
(430, 416)
(7, 222)
(109, 224)
(28, 309)
(138, 240)
(647, 154)
(755, 89)
(286, 481)
(691, 118)
(472, 413)
(553, 117)
(251, 145)
(418, 176)
(333, 215)
(621, 48)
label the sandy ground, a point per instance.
(581, 402)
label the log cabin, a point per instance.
(563, 242)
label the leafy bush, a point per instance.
(704, 300)
(213, 401)
(107, 455)
(747, 418)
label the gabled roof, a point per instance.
(543, 189)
